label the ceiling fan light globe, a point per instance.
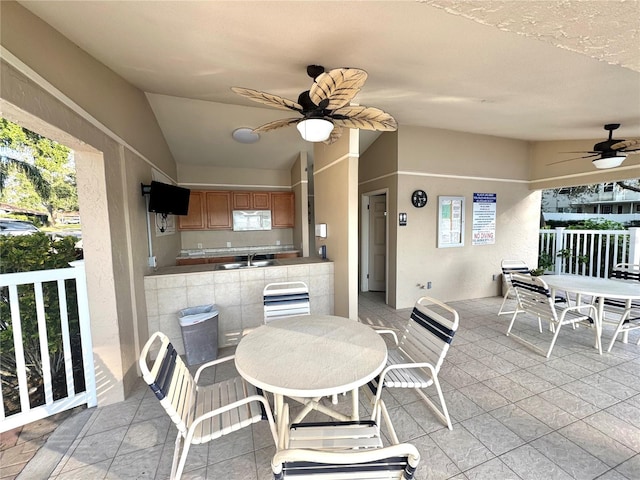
(609, 162)
(315, 129)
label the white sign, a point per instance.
(484, 219)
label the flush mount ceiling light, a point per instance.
(245, 135)
(609, 162)
(315, 129)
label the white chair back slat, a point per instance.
(285, 299)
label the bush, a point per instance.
(23, 254)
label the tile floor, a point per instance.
(515, 414)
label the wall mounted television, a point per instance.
(168, 199)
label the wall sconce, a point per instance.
(321, 230)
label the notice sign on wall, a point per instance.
(484, 219)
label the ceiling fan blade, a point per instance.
(268, 99)
(365, 118)
(335, 135)
(339, 86)
(285, 122)
(575, 158)
(623, 145)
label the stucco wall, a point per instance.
(447, 163)
(113, 135)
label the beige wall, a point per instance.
(221, 178)
(450, 163)
(336, 204)
(113, 135)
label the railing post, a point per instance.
(634, 245)
(559, 246)
(85, 333)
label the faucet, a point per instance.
(249, 258)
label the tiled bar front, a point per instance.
(237, 293)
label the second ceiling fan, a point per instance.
(324, 108)
(609, 153)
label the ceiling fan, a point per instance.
(610, 153)
(325, 106)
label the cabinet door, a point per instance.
(195, 217)
(242, 200)
(282, 210)
(219, 210)
(261, 200)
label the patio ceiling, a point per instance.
(536, 70)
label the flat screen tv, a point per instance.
(168, 199)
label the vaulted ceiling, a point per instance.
(534, 70)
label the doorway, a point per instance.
(374, 242)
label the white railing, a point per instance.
(39, 363)
(589, 252)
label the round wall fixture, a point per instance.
(419, 198)
(245, 135)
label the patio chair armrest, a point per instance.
(387, 331)
(231, 406)
(403, 366)
(212, 363)
(593, 311)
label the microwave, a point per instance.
(247, 220)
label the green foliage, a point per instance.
(52, 161)
(22, 254)
(597, 224)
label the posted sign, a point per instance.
(484, 219)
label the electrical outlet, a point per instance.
(228, 244)
(199, 245)
(153, 263)
(494, 277)
(277, 242)
(428, 285)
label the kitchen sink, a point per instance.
(238, 265)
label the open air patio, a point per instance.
(515, 415)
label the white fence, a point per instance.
(35, 367)
(589, 252)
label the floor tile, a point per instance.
(464, 449)
(529, 464)
(570, 457)
(598, 444)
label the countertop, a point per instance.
(235, 251)
(210, 267)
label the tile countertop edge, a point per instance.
(211, 267)
(235, 251)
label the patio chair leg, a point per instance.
(176, 456)
(617, 332)
(183, 456)
(504, 301)
(553, 341)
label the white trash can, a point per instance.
(199, 327)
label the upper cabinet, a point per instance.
(211, 210)
(218, 210)
(195, 217)
(282, 210)
(251, 200)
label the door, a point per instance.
(377, 243)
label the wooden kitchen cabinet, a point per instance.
(251, 200)
(282, 210)
(218, 208)
(195, 219)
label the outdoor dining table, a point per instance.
(311, 356)
(599, 288)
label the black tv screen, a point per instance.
(169, 199)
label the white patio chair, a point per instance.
(509, 267)
(418, 355)
(341, 450)
(285, 299)
(534, 298)
(627, 313)
(201, 413)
